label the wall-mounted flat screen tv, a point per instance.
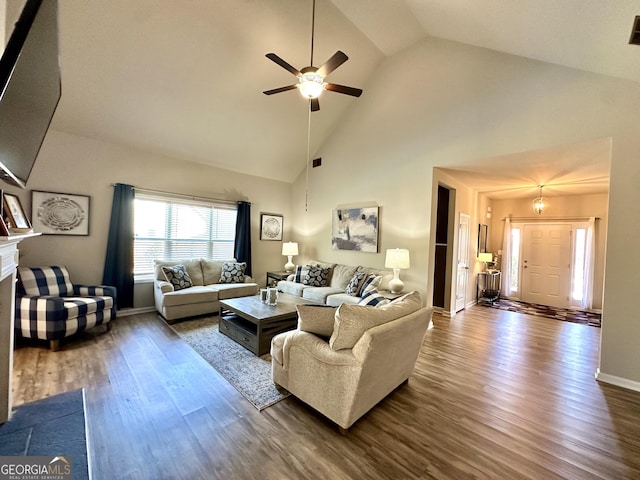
(29, 89)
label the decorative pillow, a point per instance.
(353, 287)
(316, 276)
(317, 319)
(300, 273)
(233, 272)
(370, 283)
(373, 298)
(177, 276)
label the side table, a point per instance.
(274, 277)
(391, 296)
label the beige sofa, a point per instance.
(343, 361)
(203, 296)
(334, 293)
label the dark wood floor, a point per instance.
(494, 395)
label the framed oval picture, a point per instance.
(55, 213)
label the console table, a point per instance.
(488, 286)
(8, 265)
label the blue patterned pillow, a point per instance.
(373, 298)
(299, 274)
(354, 284)
(316, 276)
(177, 276)
(233, 272)
(370, 283)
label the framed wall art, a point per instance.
(60, 213)
(355, 229)
(4, 230)
(483, 233)
(13, 214)
(271, 226)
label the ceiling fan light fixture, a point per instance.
(311, 85)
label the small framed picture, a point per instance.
(14, 214)
(271, 226)
(60, 213)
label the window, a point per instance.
(579, 263)
(174, 229)
(515, 260)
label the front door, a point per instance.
(546, 264)
(463, 262)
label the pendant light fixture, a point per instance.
(538, 203)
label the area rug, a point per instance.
(565, 314)
(53, 427)
(249, 374)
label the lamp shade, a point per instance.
(485, 257)
(290, 248)
(397, 258)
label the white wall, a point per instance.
(445, 104)
(72, 164)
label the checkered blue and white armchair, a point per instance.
(49, 307)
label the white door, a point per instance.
(546, 264)
(463, 262)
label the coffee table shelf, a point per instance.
(253, 324)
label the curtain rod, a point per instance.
(550, 219)
(182, 195)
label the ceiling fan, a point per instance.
(311, 80)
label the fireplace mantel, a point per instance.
(8, 264)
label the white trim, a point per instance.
(443, 312)
(618, 381)
(125, 312)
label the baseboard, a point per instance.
(442, 311)
(125, 312)
(617, 381)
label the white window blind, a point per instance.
(177, 229)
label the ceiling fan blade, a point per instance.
(278, 90)
(314, 104)
(334, 62)
(275, 58)
(354, 92)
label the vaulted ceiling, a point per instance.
(185, 79)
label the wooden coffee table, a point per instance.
(253, 324)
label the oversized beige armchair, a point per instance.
(343, 361)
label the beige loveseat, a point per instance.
(343, 361)
(203, 296)
(339, 276)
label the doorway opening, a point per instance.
(443, 260)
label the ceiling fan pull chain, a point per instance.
(308, 160)
(313, 27)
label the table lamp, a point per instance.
(289, 249)
(485, 257)
(397, 258)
